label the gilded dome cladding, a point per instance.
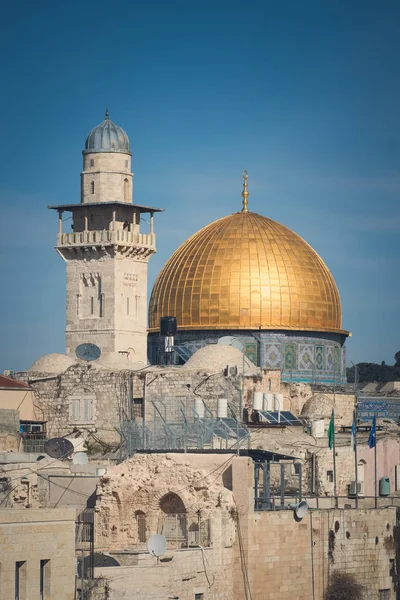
(246, 271)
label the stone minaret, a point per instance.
(106, 252)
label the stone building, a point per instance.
(221, 544)
(37, 554)
(106, 253)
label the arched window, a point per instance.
(92, 187)
(173, 518)
(141, 526)
(126, 190)
(172, 503)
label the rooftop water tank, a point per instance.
(222, 408)
(199, 408)
(318, 428)
(269, 401)
(384, 486)
(258, 401)
(278, 402)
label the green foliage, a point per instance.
(343, 586)
(370, 372)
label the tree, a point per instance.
(397, 359)
(344, 586)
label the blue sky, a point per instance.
(304, 95)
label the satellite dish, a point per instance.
(80, 458)
(157, 544)
(230, 340)
(300, 509)
(88, 352)
(59, 448)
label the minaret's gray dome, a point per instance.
(107, 137)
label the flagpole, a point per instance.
(355, 450)
(334, 460)
(376, 474)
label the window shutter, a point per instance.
(75, 409)
(88, 412)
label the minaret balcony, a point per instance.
(106, 237)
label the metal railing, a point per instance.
(106, 236)
(33, 442)
(182, 531)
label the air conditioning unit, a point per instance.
(352, 490)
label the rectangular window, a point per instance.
(137, 408)
(20, 580)
(87, 409)
(137, 306)
(384, 595)
(75, 409)
(127, 306)
(45, 580)
(102, 305)
(329, 476)
(91, 305)
(199, 597)
(92, 162)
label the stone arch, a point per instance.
(171, 503)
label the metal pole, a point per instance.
(376, 473)
(241, 388)
(334, 462)
(355, 450)
(82, 575)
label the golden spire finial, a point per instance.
(245, 193)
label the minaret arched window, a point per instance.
(126, 190)
(92, 187)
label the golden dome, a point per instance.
(245, 271)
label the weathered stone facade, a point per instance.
(37, 544)
(264, 555)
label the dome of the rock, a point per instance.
(246, 271)
(259, 285)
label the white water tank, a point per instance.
(268, 401)
(278, 402)
(100, 471)
(222, 408)
(318, 428)
(199, 407)
(258, 401)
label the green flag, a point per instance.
(331, 431)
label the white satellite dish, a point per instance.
(300, 509)
(157, 544)
(80, 458)
(230, 340)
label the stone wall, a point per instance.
(29, 537)
(9, 430)
(107, 171)
(112, 393)
(286, 559)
